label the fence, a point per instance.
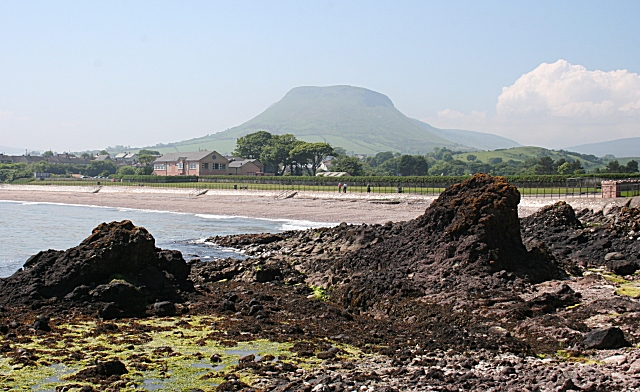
(582, 187)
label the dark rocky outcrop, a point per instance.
(606, 338)
(462, 243)
(117, 268)
(587, 239)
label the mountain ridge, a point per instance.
(625, 147)
(355, 118)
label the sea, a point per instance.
(29, 227)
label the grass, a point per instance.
(529, 192)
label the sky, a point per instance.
(77, 75)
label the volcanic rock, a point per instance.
(606, 338)
(41, 324)
(467, 235)
(117, 266)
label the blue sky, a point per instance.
(85, 74)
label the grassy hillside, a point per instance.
(521, 154)
(356, 119)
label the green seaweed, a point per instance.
(630, 290)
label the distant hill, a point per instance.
(354, 118)
(628, 147)
(521, 154)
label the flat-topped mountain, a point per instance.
(355, 118)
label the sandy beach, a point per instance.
(312, 206)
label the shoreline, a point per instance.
(322, 207)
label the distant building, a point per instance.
(326, 163)
(245, 167)
(333, 174)
(198, 163)
(126, 158)
(103, 157)
(67, 159)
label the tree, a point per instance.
(632, 166)
(565, 168)
(338, 151)
(277, 152)
(103, 152)
(146, 159)
(99, 167)
(126, 171)
(351, 165)
(251, 146)
(382, 157)
(86, 155)
(545, 166)
(312, 154)
(47, 153)
(148, 152)
(412, 165)
(471, 157)
(614, 167)
(494, 161)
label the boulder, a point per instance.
(605, 338)
(164, 308)
(624, 267)
(117, 266)
(41, 324)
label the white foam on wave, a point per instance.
(287, 224)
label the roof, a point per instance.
(103, 157)
(187, 156)
(244, 162)
(332, 174)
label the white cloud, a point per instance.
(558, 105)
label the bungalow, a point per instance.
(126, 158)
(198, 163)
(246, 167)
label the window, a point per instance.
(215, 166)
(159, 166)
(193, 165)
(180, 165)
(223, 166)
(213, 157)
(205, 166)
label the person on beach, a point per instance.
(344, 188)
(339, 187)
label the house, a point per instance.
(246, 167)
(67, 159)
(103, 157)
(126, 158)
(28, 159)
(6, 158)
(326, 163)
(197, 163)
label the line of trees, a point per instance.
(283, 152)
